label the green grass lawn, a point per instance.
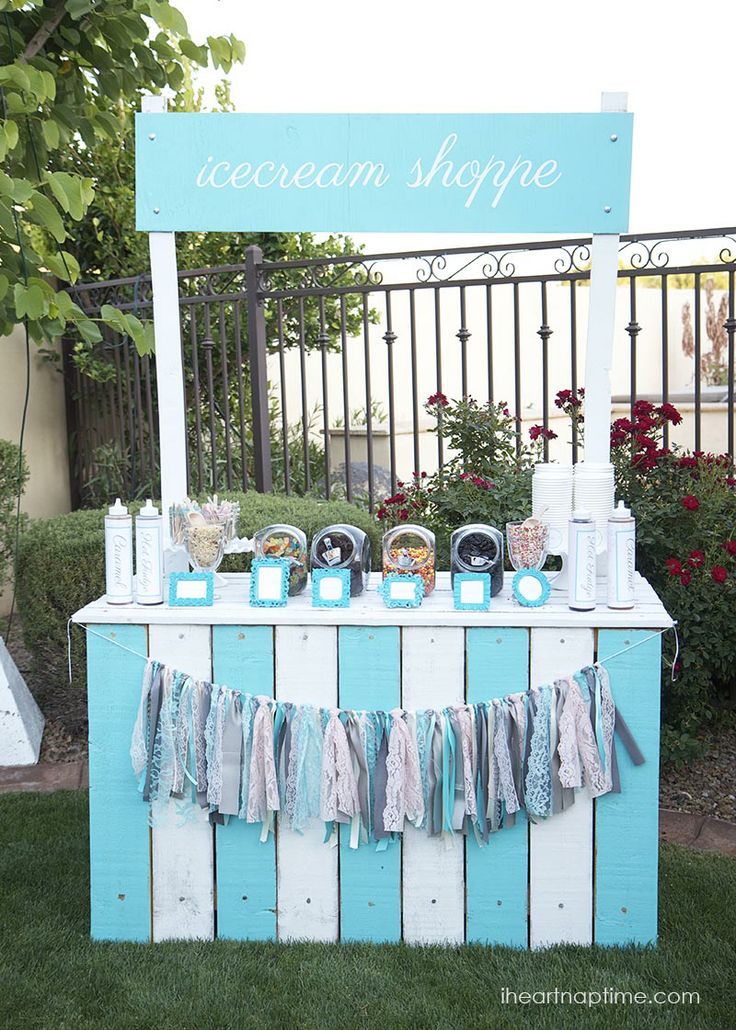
(52, 976)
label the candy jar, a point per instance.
(410, 550)
(343, 547)
(527, 542)
(205, 543)
(478, 548)
(282, 541)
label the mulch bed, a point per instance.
(705, 787)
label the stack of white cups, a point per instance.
(552, 495)
(594, 490)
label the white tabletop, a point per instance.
(231, 608)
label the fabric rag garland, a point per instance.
(460, 769)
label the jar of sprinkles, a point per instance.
(343, 547)
(410, 551)
(282, 541)
(478, 548)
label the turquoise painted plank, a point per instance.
(242, 657)
(383, 172)
(626, 824)
(370, 881)
(119, 836)
(496, 874)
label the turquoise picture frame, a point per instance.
(402, 597)
(542, 592)
(472, 580)
(184, 592)
(268, 590)
(320, 578)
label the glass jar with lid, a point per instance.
(343, 547)
(478, 548)
(283, 541)
(410, 550)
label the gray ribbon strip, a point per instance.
(232, 746)
(481, 743)
(627, 739)
(201, 712)
(284, 752)
(458, 808)
(154, 711)
(562, 797)
(355, 741)
(379, 787)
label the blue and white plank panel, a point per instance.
(369, 670)
(306, 673)
(120, 883)
(626, 824)
(243, 658)
(183, 841)
(561, 848)
(496, 887)
(433, 882)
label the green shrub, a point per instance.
(13, 477)
(61, 567)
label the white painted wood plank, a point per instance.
(232, 608)
(307, 905)
(169, 370)
(183, 858)
(601, 328)
(561, 848)
(433, 884)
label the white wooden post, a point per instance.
(601, 328)
(169, 372)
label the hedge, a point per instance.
(61, 568)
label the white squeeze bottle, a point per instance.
(148, 556)
(581, 558)
(621, 557)
(119, 554)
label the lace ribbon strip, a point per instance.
(460, 769)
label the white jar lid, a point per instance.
(118, 509)
(148, 511)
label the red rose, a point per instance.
(643, 408)
(696, 559)
(539, 431)
(438, 398)
(690, 502)
(673, 566)
(669, 413)
(719, 573)
(404, 514)
(645, 422)
(729, 546)
(685, 578)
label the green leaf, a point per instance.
(73, 193)
(89, 331)
(44, 213)
(4, 286)
(78, 8)
(114, 318)
(29, 301)
(50, 132)
(11, 134)
(22, 191)
(15, 74)
(49, 84)
(199, 54)
(6, 185)
(169, 18)
(65, 305)
(63, 265)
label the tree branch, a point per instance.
(45, 30)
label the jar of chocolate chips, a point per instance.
(478, 548)
(343, 547)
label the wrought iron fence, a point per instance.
(276, 355)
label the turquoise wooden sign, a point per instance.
(383, 172)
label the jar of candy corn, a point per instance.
(281, 541)
(410, 551)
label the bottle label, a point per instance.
(585, 566)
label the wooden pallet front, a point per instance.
(586, 875)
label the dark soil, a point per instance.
(64, 707)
